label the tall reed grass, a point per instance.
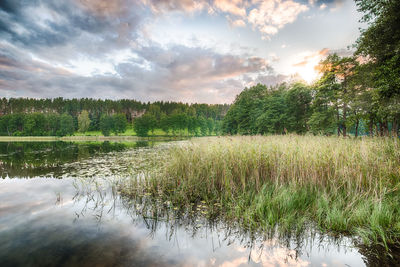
(341, 186)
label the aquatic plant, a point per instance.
(341, 186)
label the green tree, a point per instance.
(218, 127)
(381, 42)
(155, 110)
(165, 123)
(192, 125)
(34, 124)
(53, 122)
(83, 121)
(298, 108)
(15, 124)
(4, 124)
(245, 110)
(178, 121)
(66, 125)
(273, 118)
(144, 124)
(210, 126)
(119, 123)
(203, 125)
(106, 124)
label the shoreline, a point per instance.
(87, 138)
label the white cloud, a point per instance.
(234, 7)
(236, 22)
(270, 16)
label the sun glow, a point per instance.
(308, 72)
(306, 63)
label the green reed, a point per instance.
(341, 186)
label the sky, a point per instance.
(204, 51)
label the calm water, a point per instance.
(57, 208)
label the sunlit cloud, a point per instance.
(270, 16)
(234, 7)
(196, 51)
(236, 22)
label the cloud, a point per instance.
(164, 6)
(176, 73)
(47, 24)
(270, 16)
(99, 48)
(266, 16)
(234, 7)
(312, 57)
(105, 8)
(236, 22)
(270, 79)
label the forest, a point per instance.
(356, 95)
(60, 117)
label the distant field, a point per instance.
(128, 132)
(85, 138)
(129, 135)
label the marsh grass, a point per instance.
(339, 186)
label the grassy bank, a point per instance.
(131, 132)
(341, 186)
(82, 138)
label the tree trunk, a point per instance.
(381, 129)
(338, 119)
(371, 129)
(395, 128)
(357, 123)
(344, 106)
(344, 119)
(386, 128)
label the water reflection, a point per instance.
(52, 222)
(84, 221)
(54, 159)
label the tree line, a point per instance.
(359, 94)
(177, 123)
(341, 102)
(36, 124)
(98, 107)
(60, 117)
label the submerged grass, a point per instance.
(342, 186)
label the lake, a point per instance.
(59, 207)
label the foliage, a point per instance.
(96, 108)
(83, 121)
(119, 123)
(66, 125)
(381, 43)
(88, 113)
(144, 124)
(106, 125)
(36, 124)
(269, 110)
